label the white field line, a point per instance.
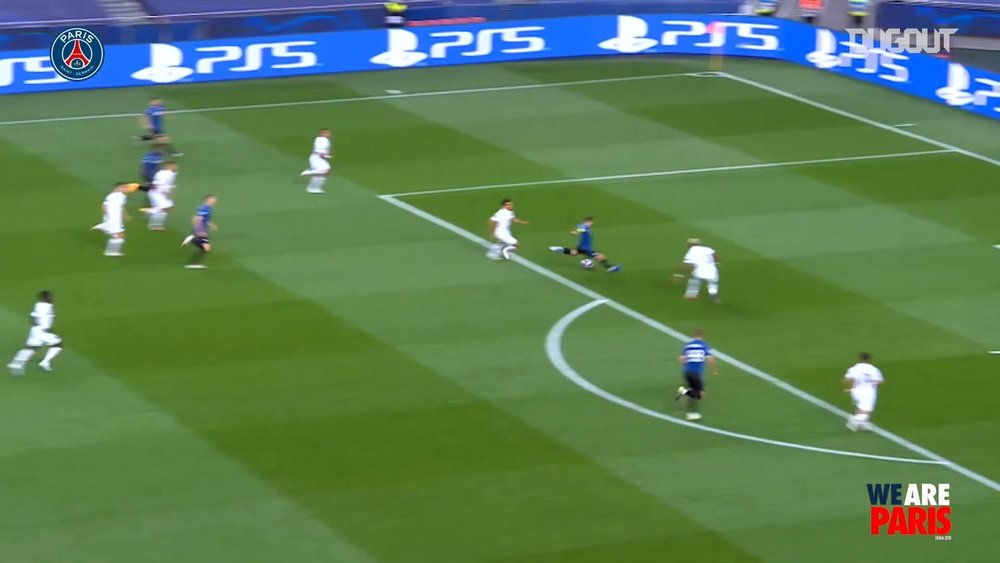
(464, 91)
(553, 348)
(678, 172)
(657, 325)
(856, 117)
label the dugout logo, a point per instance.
(76, 54)
(924, 509)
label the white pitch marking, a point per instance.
(862, 119)
(553, 348)
(657, 325)
(996, 246)
(394, 92)
(679, 172)
(359, 98)
(995, 352)
(905, 125)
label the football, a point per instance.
(586, 263)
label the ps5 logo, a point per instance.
(166, 61)
(633, 35)
(402, 48)
(10, 69)
(958, 90)
(874, 60)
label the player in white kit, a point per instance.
(704, 266)
(161, 196)
(319, 162)
(862, 381)
(500, 224)
(42, 318)
(113, 224)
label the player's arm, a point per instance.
(713, 365)
(519, 221)
(493, 227)
(144, 122)
(682, 359)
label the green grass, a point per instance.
(349, 382)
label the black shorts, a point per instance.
(200, 242)
(588, 252)
(694, 381)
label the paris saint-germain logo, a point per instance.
(77, 54)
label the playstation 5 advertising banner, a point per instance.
(366, 50)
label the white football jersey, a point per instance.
(864, 375)
(321, 146)
(44, 314)
(115, 202)
(164, 182)
(503, 218)
(700, 257)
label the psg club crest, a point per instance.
(77, 54)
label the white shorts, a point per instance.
(707, 274)
(504, 236)
(864, 398)
(318, 163)
(160, 201)
(38, 336)
(112, 226)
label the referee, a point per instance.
(695, 354)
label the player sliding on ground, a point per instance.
(319, 162)
(695, 354)
(585, 247)
(862, 381)
(703, 264)
(500, 224)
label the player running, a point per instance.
(500, 224)
(42, 318)
(703, 264)
(585, 245)
(152, 122)
(113, 210)
(161, 196)
(862, 381)
(149, 165)
(695, 354)
(319, 162)
(202, 223)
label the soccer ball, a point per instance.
(586, 263)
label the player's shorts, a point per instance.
(504, 237)
(159, 200)
(707, 274)
(318, 163)
(200, 242)
(588, 252)
(38, 337)
(112, 225)
(864, 398)
(694, 381)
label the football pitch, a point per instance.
(352, 380)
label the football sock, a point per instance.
(713, 289)
(316, 183)
(114, 244)
(606, 264)
(157, 219)
(198, 257)
(147, 137)
(23, 356)
(693, 288)
(692, 404)
(567, 251)
(51, 353)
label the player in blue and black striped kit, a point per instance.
(152, 121)
(695, 354)
(201, 225)
(585, 245)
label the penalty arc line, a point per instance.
(657, 325)
(553, 349)
(678, 172)
(463, 91)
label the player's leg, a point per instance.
(318, 170)
(864, 401)
(604, 261)
(202, 247)
(713, 287)
(55, 347)
(509, 247)
(694, 394)
(114, 245)
(564, 250)
(693, 287)
(24, 355)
